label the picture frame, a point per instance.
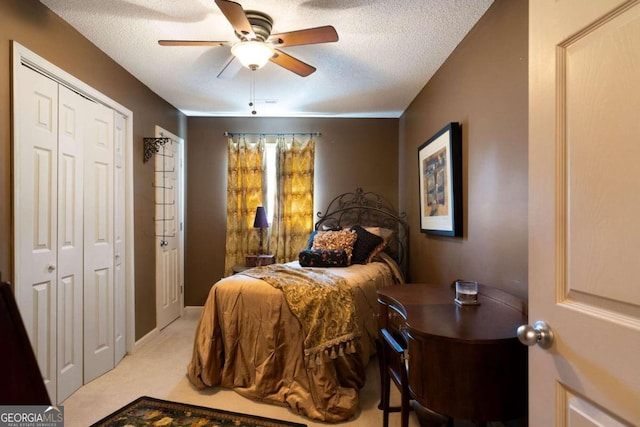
(440, 182)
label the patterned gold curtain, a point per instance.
(293, 210)
(244, 193)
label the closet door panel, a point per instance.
(98, 244)
(35, 204)
(72, 118)
(119, 237)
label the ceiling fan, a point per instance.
(257, 45)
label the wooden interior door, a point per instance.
(584, 229)
(168, 221)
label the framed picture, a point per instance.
(440, 167)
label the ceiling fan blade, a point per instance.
(230, 68)
(236, 16)
(191, 43)
(292, 64)
(324, 34)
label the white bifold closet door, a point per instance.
(99, 354)
(49, 170)
(70, 231)
(119, 238)
(70, 241)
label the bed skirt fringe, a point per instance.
(332, 350)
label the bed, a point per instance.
(300, 335)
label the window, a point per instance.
(270, 169)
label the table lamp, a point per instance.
(260, 222)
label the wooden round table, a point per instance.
(464, 361)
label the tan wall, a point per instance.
(40, 30)
(482, 85)
(350, 153)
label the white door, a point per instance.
(119, 240)
(168, 220)
(71, 124)
(36, 216)
(584, 223)
(54, 129)
(98, 243)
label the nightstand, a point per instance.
(253, 261)
(259, 260)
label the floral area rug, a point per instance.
(148, 411)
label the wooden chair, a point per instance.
(393, 368)
(21, 382)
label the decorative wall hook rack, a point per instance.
(152, 146)
(164, 173)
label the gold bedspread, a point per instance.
(249, 339)
(323, 304)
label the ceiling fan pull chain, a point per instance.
(252, 92)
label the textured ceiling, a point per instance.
(387, 51)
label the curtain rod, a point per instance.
(272, 134)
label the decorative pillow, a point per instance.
(311, 237)
(395, 268)
(385, 233)
(340, 240)
(323, 258)
(364, 245)
(324, 228)
(378, 249)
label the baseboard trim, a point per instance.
(145, 339)
(196, 309)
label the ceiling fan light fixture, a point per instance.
(252, 54)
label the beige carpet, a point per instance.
(158, 369)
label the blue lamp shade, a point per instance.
(261, 218)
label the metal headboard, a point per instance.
(369, 210)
